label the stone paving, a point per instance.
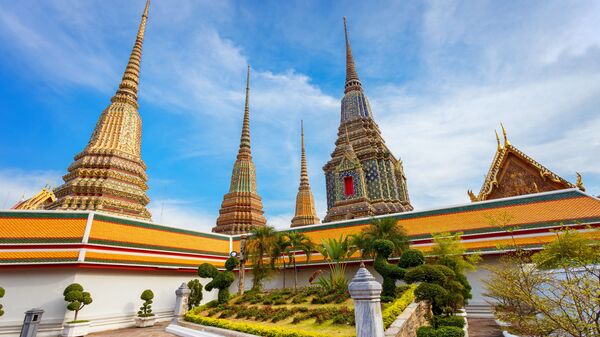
(156, 331)
(483, 327)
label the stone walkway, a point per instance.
(483, 327)
(156, 331)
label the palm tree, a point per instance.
(387, 229)
(259, 247)
(279, 252)
(363, 243)
(298, 242)
(336, 252)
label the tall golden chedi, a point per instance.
(242, 209)
(305, 202)
(109, 175)
(363, 178)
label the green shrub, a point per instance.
(146, 308)
(2, 292)
(411, 258)
(457, 321)
(434, 294)
(425, 273)
(196, 293)
(445, 331)
(251, 328)
(396, 308)
(449, 331)
(77, 298)
(388, 271)
(220, 281)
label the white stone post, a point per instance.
(366, 293)
(181, 303)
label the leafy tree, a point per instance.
(220, 280)
(363, 243)
(336, 252)
(77, 298)
(298, 242)
(195, 294)
(388, 271)
(2, 292)
(146, 308)
(449, 251)
(564, 301)
(259, 246)
(281, 249)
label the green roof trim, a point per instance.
(43, 215)
(103, 217)
(165, 248)
(41, 240)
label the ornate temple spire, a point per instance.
(352, 80)
(245, 151)
(371, 181)
(128, 88)
(305, 202)
(242, 210)
(109, 175)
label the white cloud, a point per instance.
(16, 184)
(181, 214)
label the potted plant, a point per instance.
(145, 317)
(77, 299)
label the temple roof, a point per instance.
(42, 198)
(513, 173)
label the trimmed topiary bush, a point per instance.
(434, 294)
(411, 258)
(77, 298)
(425, 273)
(196, 294)
(388, 271)
(146, 308)
(446, 331)
(2, 292)
(220, 281)
(440, 321)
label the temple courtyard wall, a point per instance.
(115, 294)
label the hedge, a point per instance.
(445, 331)
(395, 309)
(251, 328)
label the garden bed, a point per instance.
(309, 312)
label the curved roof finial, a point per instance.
(498, 140)
(506, 142)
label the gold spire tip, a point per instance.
(506, 142)
(498, 140)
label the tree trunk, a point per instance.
(284, 273)
(76, 312)
(295, 274)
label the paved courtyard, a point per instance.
(156, 331)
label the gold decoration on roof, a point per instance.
(579, 182)
(39, 201)
(109, 174)
(513, 173)
(306, 213)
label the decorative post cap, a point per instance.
(363, 286)
(182, 290)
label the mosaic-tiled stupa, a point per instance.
(363, 178)
(305, 202)
(242, 208)
(109, 175)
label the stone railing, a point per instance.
(411, 319)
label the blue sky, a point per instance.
(441, 76)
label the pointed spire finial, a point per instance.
(498, 140)
(352, 80)
(128, 88)
(303, 168)
(506, 142)
(244, 150)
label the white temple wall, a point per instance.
(115, 294)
